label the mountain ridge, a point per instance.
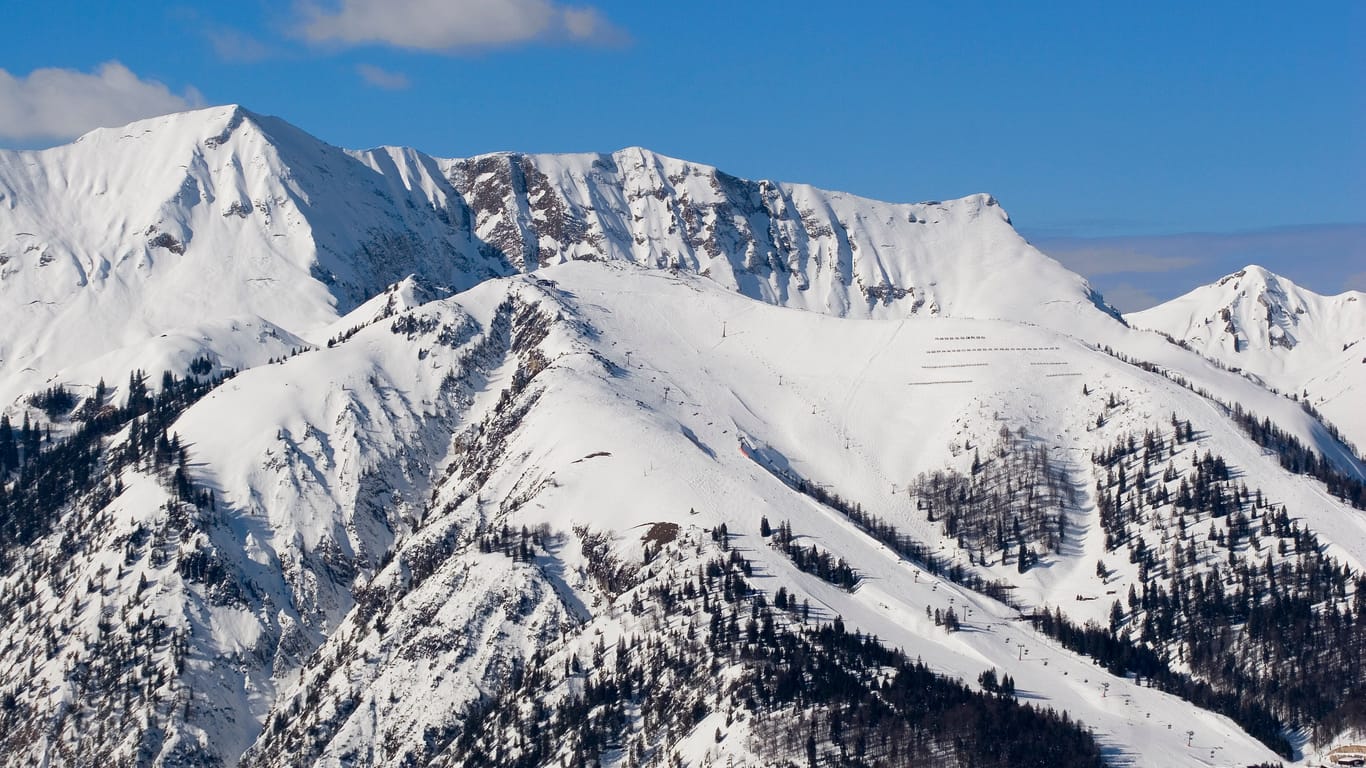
(253, 225)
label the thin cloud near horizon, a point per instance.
(1138, 271)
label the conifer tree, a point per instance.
(9, 450)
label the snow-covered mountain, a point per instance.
(534, 460)
(230, 234)
(1295, 340)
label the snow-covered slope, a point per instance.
(661, 399)
(494, 412)
(1289, 337)
(354, 484)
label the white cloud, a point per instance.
(1103, 259)
(382, 78)
(1129, 298)
(232, 45)
(58, 103)
(454, 25)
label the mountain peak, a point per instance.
(1254, 275)
(208, 122)
(1250, 308)
(1284, 335)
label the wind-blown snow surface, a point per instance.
(1287, 336)
(655, 368)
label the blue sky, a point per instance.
(1111, 132)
